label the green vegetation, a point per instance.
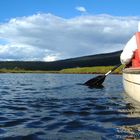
(24, 71)
(83, 70)
(94, 70)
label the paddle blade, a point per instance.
(96, 81)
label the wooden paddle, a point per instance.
(98, 80)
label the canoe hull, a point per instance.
(131, 82)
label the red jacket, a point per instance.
(136, 58)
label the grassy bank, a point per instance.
(93, 70)
(25, 71)
(84, 70)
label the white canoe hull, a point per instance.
(131, 82)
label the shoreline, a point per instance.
(77, 70)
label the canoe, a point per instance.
(131, 82)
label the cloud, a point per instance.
(46, 37)
(80, 9)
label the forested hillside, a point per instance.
(107, 59)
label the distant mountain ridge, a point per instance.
(105, 59)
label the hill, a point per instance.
(106, 59)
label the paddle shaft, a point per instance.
(114, 68)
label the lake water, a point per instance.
(57, 107)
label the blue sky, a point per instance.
(66, 8)
(60, 29)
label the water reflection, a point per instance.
(130, 130)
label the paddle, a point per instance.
(98, 80)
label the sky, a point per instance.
(48, 30)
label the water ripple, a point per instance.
(51, 106)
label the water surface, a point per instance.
(57, 107)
